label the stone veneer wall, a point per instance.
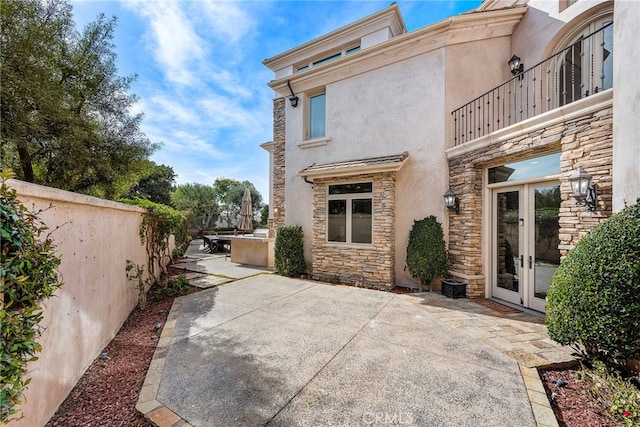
(279, 121)
(350, 263)
(585, 141)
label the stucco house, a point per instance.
(498, 107)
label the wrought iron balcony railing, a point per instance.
(579, 70)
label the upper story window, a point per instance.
(317, 115)
(337, 55)
(585, 66)
(350, 213)
(566, 3)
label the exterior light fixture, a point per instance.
(582, 189)
(293, 98)
(451, 201)
(515, 65)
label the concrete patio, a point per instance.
(268, 350)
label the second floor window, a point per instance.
(586, 65)
(317, 115)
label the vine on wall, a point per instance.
(28, 275)
(159, 222)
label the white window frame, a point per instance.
(310, 112)
(348, 198)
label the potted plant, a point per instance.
(427, 257)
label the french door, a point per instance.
(525, 239)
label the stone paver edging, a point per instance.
(147, 404)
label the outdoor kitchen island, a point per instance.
(253, 249)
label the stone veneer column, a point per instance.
(279, 141)
(351, 263)
(585, 141)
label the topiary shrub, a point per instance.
(28, 275)
(289, 251)
(427, 257)
(594, 300)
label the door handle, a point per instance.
(530, 262)
(521, 261)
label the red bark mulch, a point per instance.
(571, 403)
(107, 393)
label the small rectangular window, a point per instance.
(361, 187)
(303, 68)
(327, 59)
(353, 50)
(317, 115)
(526, 169)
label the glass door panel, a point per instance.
(507, 245)
(544, 244)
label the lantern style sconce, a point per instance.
(582, 189)
(515, 65)
(451, 201)
(293, 98)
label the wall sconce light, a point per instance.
(515, 65)
(451, 201)
(582, 189)
(293, 98)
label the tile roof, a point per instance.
(353, 167)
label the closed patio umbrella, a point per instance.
(246, 212)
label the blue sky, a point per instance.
(201, 82)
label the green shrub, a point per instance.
(594, 300)
(427, 252)
(28, 275)
(176, 286)
(289, 251)
(177, 253)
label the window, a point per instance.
(308, 65)
(317, 114)
(350, 213)
(586, 65)
(328, 59)
(526, 169)
(565, 4)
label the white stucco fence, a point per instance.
(95, 238)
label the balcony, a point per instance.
(579, 70)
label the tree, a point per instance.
(156, 185)
(66, 114)
(199, 200)
(427, 257)
(264, 215)
(229, 193)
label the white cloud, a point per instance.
(175, 43)
(224, 112)
(227, 20)
(167, 109)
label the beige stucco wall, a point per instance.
(95, 238)
(385, 111)
(626, 104)
(544, 26)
